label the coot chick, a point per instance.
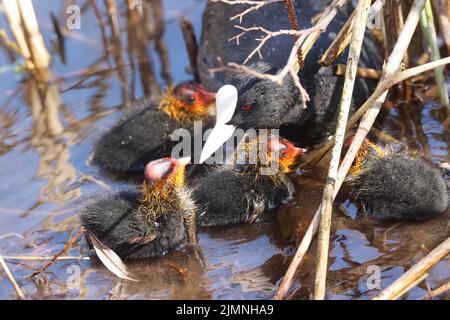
(242, 192)
(396, 184)
(147, 221)
(145, 135)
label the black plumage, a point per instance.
(146, 221)
(129, 145)
(229, 196)
(265, 104)
(145, 134)
(240, 193)
(119, 221)
(395, 184)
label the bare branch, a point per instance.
(357, 38)
(40, 258)
(11, 278)
(254, 5)
(339, 44)
(262, 40)
(278, 78)
(367, 73)
(304, 42)
(430, 37)
(272, 34)
(371, 108)
(436, 292)
(416, 272)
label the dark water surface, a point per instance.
(45, 179)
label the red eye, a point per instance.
(246, 107)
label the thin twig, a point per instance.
(11, 234)
(384, 136)
(278, 78)
(9, 43)
(375, 101)
(430, 37)
(441, 9)
(11, 278)
(436, 292)
(66, 247)
(324, 18)
(254, 5)
(306, 39)
(417, 271)
(393, 23)
(40, 258)
(359, 28)
(367, 73)
(191, 45)
(340, 42)
(382, 88)
(268, 35)
(410, 286)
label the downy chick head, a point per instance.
(288, 154)
(188, 101)
(274, 150)
(397, 184)
(163, 177)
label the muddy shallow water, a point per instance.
(45, 179)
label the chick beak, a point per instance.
(209, 97)
(226, 100)
(296, 156)
(184, 161)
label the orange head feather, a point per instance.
(289, 155)
(162, 178)
(187, 102)
(360, 157)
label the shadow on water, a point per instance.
(135, 52)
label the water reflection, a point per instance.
(53, 150)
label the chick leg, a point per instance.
(289, 187)
(256, 206)
(189, 225)
(191, 236)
